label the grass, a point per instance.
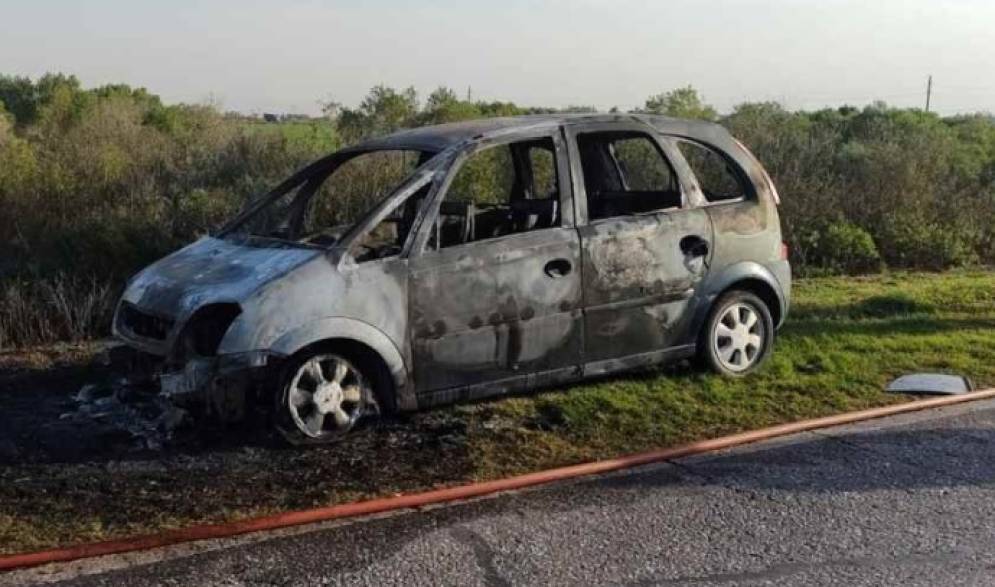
(845, 339)
(317, 133)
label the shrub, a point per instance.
(851, 249)
(917, 241)
(95, 184)
(842, 247)
(57, 308)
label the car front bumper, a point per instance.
(224, 386)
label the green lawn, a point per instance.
(844, 340)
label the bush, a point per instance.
(915, 241)
(844, 248)
(95, 184)
(57, 308)
(923, 187)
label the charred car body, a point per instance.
(468, 260)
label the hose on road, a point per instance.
(438, 496)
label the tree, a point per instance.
(443, 105)
(19, 98)
(382, 111)
(680, 103)
(330, 108)
(492, 109)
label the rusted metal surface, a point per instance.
(487, 317)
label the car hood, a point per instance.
(212, 270)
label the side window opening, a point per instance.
(718, 179)
(542, 161)
(501, 190)
(626, 174)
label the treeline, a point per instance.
(95, 183)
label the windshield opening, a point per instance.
(322, 205)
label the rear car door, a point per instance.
(495, 295)
(645, 249)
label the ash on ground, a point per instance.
(151, 420)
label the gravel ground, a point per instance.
(905, 500)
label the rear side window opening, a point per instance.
(626, 173)
(718, 177)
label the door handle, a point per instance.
(558, 268)
(694, 246)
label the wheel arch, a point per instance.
(751, 277)
(763, 290)
(366, 339)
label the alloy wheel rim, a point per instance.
(738, 337)
(326, 396)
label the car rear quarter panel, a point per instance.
(747, 234)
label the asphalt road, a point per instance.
(907, 500)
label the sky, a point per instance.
(258, 56)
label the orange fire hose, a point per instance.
(349, 510)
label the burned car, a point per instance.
(469, 260)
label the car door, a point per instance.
(644, 248)
(495, 294)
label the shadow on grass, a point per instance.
(882, 306)
(909, 325)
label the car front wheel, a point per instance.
(322, 397)
(738, 335)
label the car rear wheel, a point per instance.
(323, 394)
(738, 335)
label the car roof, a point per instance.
(442, 136)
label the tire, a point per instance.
(323, 393)
(738, 336)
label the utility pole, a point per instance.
(929, 92)
(469, 93)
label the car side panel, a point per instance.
(487, 311)
(638, 285)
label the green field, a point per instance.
(319, 136)
(844, 340)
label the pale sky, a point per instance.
(286, 56)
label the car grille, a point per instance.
(143, 324)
